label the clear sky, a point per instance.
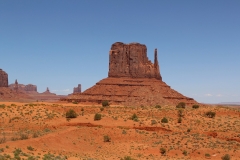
(58, 44)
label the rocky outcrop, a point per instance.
(3, 79)
(77, 89)
(130, 60)
(132, 80)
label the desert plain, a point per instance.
(40, 130)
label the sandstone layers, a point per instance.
(132, 80)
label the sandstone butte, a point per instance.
(133, 80)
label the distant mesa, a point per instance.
(24, 88)
(133, 80)
(77, 89)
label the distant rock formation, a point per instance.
(48, 92)
(31, 88)
(24, 88)
(3, 79)
(77, 89)
(130, 60)
(132, 80)
(7, 94)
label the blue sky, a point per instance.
(58, 44)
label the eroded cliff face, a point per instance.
(3, 79)
(130, 60)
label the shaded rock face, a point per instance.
(3, 79)
(130, 60)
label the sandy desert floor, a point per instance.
(42, 131)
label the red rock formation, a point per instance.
(77, 89)
(31, 88)
(130, 60)
(132, 80)
(3, 79)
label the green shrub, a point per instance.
(158, 106)
(153, 122)
(127, 158)
(207, 155)
(180, 113)
(163, 151)
(195, 106)
(97, 117)
(181, 105)
(71, 114)
(75, 102)
(134, 117)
(2, 106)
(101, 109)
(179, 120)
(23, 136)
(30, 148)
(210, 114)
(185, 153)
(106, 138)
(226, 157)
(105, 103)
(164, 120)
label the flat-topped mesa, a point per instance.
(130, 60)
(3, 79)
(31, 88)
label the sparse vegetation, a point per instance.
(207, 155)
(179, 120)
(181, 105)
(164, 120)
(134, 117)
(226, 157)
(97, 117)
(106, 138)
(105, 103)
(210, 114)
(185, 153)
(75, 102)
(127, 158)
(71, 114)
(157, 106)
(30, 148)
(195, 106)
(163, 151)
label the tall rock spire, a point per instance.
(156, 66)
(16, 85)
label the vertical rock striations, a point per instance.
(130, 60)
